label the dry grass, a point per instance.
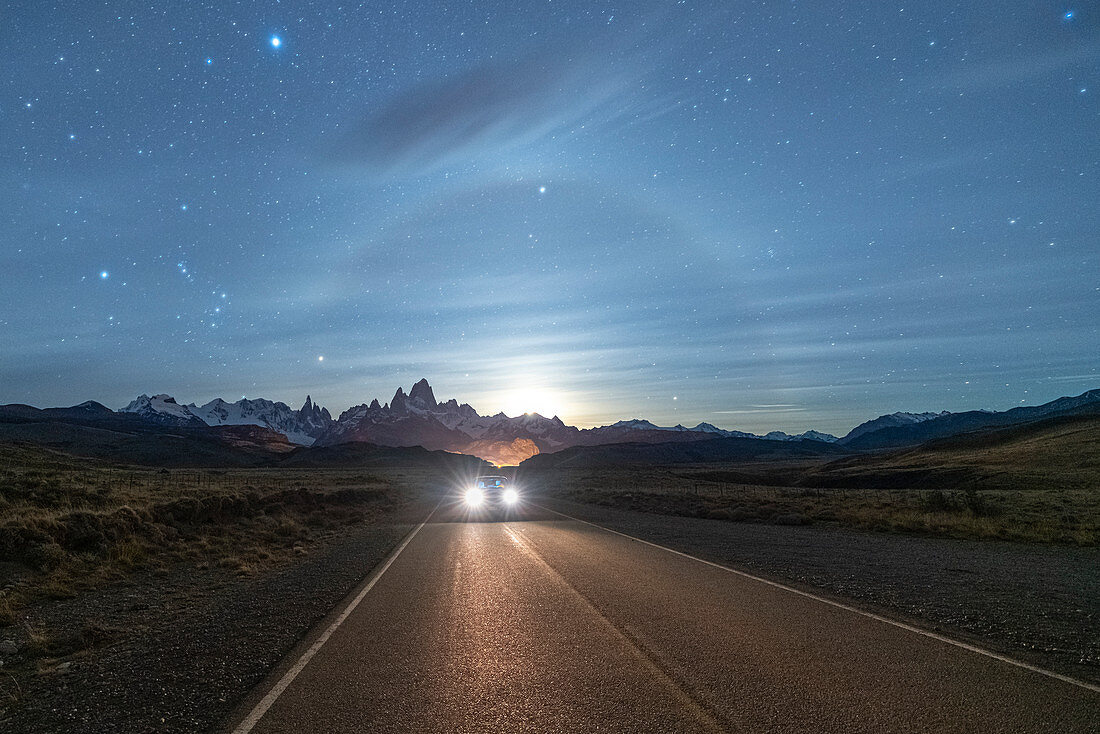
(1037, 514)
(70, 524)
(1035, 483)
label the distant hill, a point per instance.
(1060, 452)
(131, 440)
(714, 450)
(359, 454)
(909, 429)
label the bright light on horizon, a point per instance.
(525, 401)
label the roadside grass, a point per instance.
(69, 525)
(1035, 514)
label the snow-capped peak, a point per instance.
(818, 436)
(162, 408)
(890, 421)
(299, 426)
(639, 424)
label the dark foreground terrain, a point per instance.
(174, 651)
(136, 600)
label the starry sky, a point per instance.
(764, 215)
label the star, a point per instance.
(321, 358)
(542, 189)
(276, 42)
(103, 275)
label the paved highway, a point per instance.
(542, 623)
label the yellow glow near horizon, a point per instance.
(533, 400)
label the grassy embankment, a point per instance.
(69, 524)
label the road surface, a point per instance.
(543, 623)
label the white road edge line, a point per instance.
(871, 615)
(266, 702)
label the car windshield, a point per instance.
(490, 482)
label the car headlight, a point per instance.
(511, 496)
(474, 497)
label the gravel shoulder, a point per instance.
(1036, 603)
(176, 651)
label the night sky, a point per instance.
(781, 215)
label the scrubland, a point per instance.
(70, 526)
(1034, 483)
(1034, 514)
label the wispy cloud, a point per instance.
(1003, 72)
(755, 411)
(1095, 377)
(487, 109)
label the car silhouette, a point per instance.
(491, 494)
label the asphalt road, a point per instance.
(540, 623)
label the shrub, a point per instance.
(979, 505)
(938, 501)
(7, 613)
(129, 553)
(56, 589)
(288, 528)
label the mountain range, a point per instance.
(417, 418)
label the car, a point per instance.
(491, 493)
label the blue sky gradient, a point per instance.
(759, 215)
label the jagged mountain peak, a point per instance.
(299, 426)
(421, 394)
(399, 404)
